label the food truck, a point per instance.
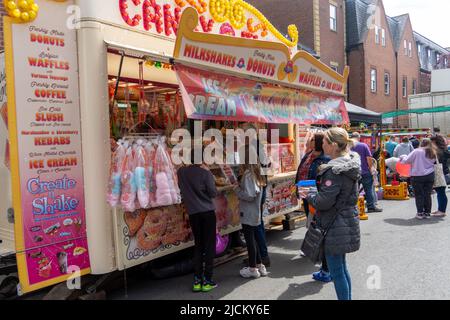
(96, 91)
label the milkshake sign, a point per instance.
(50, 203)
(268, 61)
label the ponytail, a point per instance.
(430, 149)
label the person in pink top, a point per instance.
(422, 162)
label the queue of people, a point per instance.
(339, 165)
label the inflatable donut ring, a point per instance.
(149, 236)
(134, 221)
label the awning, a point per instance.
(214, 96)
(399, 113)
(358, 114)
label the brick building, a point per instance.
(407, 63)
(383, 58)
(321, 25)
(371, 57)
(431, 56)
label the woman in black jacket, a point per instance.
(443, 156)
(336, 205)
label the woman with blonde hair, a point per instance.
(249, 192)
(336, 206)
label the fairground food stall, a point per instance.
(94, 101)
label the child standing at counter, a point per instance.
(249, 191)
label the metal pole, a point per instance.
(432, 113)
(119, 75)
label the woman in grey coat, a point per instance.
(336, 206)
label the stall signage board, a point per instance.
(268, 61)
(161, 18)
(46, 154)
(213, 96)
(4, 143)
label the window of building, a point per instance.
(405, 45)
(410, 50)
(438, 57)
(414, 88)
(419, 49)
(333, 17)
(377, 35)
(373, 80)
(405, 87)
(383, 37)
(387, 83)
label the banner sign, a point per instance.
(46, 155)
(269, 61)
(213, 96)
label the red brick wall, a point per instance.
(332, 44)
(356, 83)
(425, 82)
(380, 58)
(282, 13)
(407, 67)
(300, 12)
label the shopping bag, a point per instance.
(439, 177)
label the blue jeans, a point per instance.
(369, 190)
(442, 199)
(342, 282)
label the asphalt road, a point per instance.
(401, 258)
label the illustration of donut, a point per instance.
(149, 237)
(134, 221)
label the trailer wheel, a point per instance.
(8, 287)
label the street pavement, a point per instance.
(401, 258)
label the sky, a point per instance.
(429, 17)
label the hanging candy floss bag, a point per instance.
(115, 185)
(128, 183)
(141, 176)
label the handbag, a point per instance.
(439, 177)
(313, 244)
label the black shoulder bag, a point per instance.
(313, 244)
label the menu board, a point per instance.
(281, 197)
(47, 115)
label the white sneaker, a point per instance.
(248, 273)
(420, 216)
(263, 271)
(438, 214)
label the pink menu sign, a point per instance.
(47, 114)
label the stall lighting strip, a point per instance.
(138, 53)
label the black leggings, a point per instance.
(203, 227)
(325, 265)
(254, 257)
(423, 187)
